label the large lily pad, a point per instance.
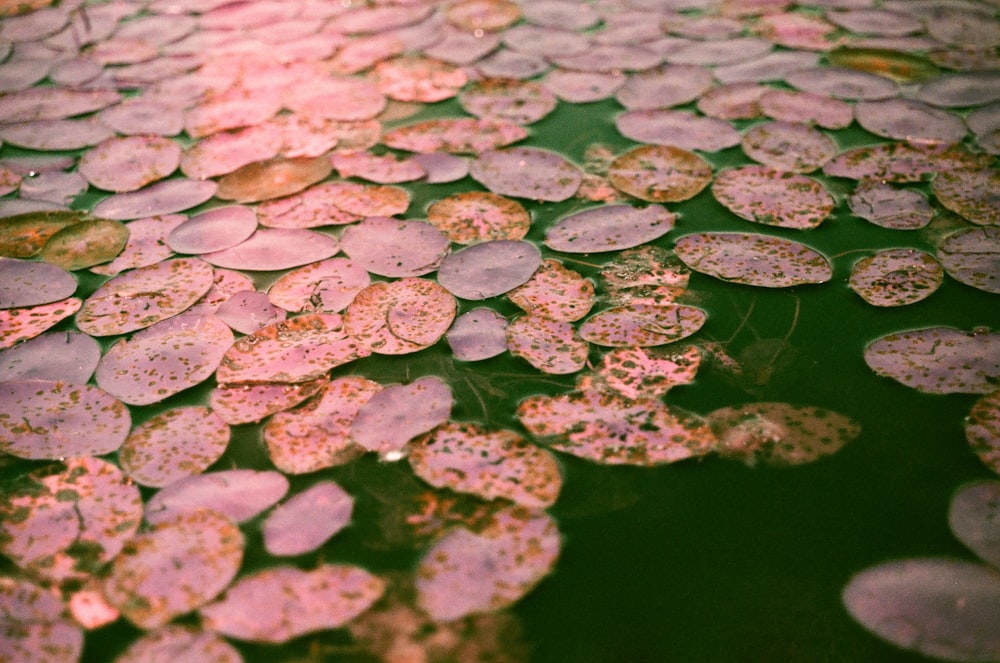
(526, 172)
(974, 519)
(306, 521)
(395, 247)
(554, 291)
(400, 317)
(760, 260)
(473, 216)
(29, 283)
(551, 346)
(33, 628)
(609, 228)
(489, 269)
(172, 445)
(772, 197)
(939, 360)
(239, 495)
(896, 277)
(660, 173)
(972, 256)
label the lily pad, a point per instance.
(299, 602)
(840, 83)
(249, 403)
(144, 296)
(396, 414)
(239, 495)
(788, 146)
(400, 317)
(164, 197)
(554, 292)
(468, 572)
(146, 245)
(491, 464)
(68, 356)
(896, 277)
(613, 430)
(174, 567)
(938, 360)
(973, 519)
(677, 128)
(636, 372)
(306, 521)
(660, 173)
(900, 162)
(520, 102)
(609, 228)
(21, 324)
(474, 216)
(772, 197)
(463, 135)
(128, 163)
(32, 626)
(526, 172)
(327, 286)
(176, 642)
(66, 522)
(899, 66)
(806, 107)
(890, 207)
(274, 178)
(972, 256)
(759, 260)
(982, 430)
(48, 419)
(971, 193)
(478, 334)
(24, 235)
(174, 444)
(943, 608)
(272, 249)
(29, 283)
(85, 244)
(384, 169)
(910, 120)
(214, 230)
(642, 325)
(489, 269)
(551, 346)
(395, 247)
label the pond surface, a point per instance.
(645, 364)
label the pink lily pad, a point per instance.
(415, 78)
(636, 372)
(982, 430)
(441, 167)
(551, 346)
(609, 228)
(733, 101)
(164, 359)
(385, 169)
(249, 311)
(788, 146)
(174, 444)
(136, 116)
(474, 216)
(972, 256)
(166, 197)
(400, 317)
(971, 193)
(226, 151)
(468, 572)
(225, 284)
(664, 87)
(769, 67)
(68, 356)
(271, 249)
(66, 523)
(337, 99)
(214, 230)
(21, 324)
(302, 602)
(780, 433)
(299, 349)
(317, 434)
(807, 107)
(900, 162)
(526, 172)
(48, 419)
(717, 52)
(608, 58)
(760, 260)
(491, 464)
(454, 135)
(896, 277)
(85, 244)
(146, 244)
(646, 274)
(129, 163)
(840, 83)
(660, 173)
(174, 567)
(239, 495)
(960, 90)
(677, 128)
(54, 103)
(910, 120)
(303, 523)
(175, 640)
(520, 102)
(890, 207)
(34, 627)
(642, 325)
(489, 269)
(478, 334)
(612, 430)
(580, 87)
(141, 297)
(48, 135)
(972, 517)
(249, 403)
(555, 292)
(398, 413)
(938, 360)
(395, 247)
(29, 283)
(323, 287)
(772, 197)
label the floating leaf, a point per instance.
(520, 102)
(733, 101)
(973, 519)
(642, 325)
(582, 87)
(663, 87)
(468, 572)
(636, 372)
(68, 356)
(780, 433)
(275, 178)
(295, 350)
(327, 286)
(555, 292)
(224, 152)
(760, 260)
(806, 107)
(174, 444)
(899, 66)
(491, 464)
(395, 247)
(395, 415)
(24, 235)
(474, 216)
(910, 120)
(982, 430)
(773, 197)
(85, 244)
(971, 193)
(890, 207)
(646, 275)
(164, 359)
(789, 146)
(317, 435)
(214, 230)
(609, 228)
(972, 256)
(176, 642)
(248, 311)
(271, 249)
(841, 83)
(32, 626)
(463, 135)
(48, 419)
(942, 608)
(21, 324)
(896, 277)
(249, 403)
(165, 197)
(677, 128)
(938, 360)
(489, 269)
(146, 245)
(176, 566)
(29, 283)
(385, 169)
(900, 162)
(612, 430)
(239, 495)
(128, 163)
(305, 522)
(660, 174)
(400, 317)
(551, 346)
(478, 334)
(526, 172)
(66, 522)
(299, 602)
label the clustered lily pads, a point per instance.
(283, 198)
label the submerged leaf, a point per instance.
(974, 519)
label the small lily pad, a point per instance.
(526, 172)
(239, 495)
(982, 430)
(306, 521)
(24, 235)
(759, 260)
(174, 444)
(478, 334)
(660, 173)
(900, 162)
(772, 197)
(272, 249)
(474, 216)
(489, 269)
(642, 325)
(551, 346)
(32, 626)
(609, 228)
(972, 256)
(555, 292)
(454, 135)
(327, 286)
(896, 277)
(68, 356)
(636, 372)
(788, 146)
(128, 163)
(249, 403)
(176, 641)
(974, 519)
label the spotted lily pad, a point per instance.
(174, 444)
(454, 135)
(938, 360)
(520, 102)
(47, 419)
(642, 325)
(971, 193)
(128, 163)
(609, 228)
(141, 297)
(164, 359)
(944, 608)
(788, 146)
(317, 434)
(174, 567)
(85, 244)
(492, 464)
(900, 162)
(174, 641)
(760, 260)
(300, 602)
(551, 346)
(33, 628)
(910, 120)
(555, 292)
(982, 430)
(146, 245)
(772, 197)
(660, 173)
(299, 349)
(400, 317)
(214, 230)
(636, 372)
(66, 522)
(473, 216)
(306, 521)
(249, 403)
(21, 324)
(395, 247)
(24, 235)
(29, 283)
(469, 572)
(526, 172)
(239, 495)
(896, 277)
(327, 286)
(972, 256)
(613, 430)
(780, 433)
(890, 207)
(395, 415)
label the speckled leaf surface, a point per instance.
(555, 291)
(400, 317)
(29, 283)
(642, 325)
(971, 193)
(177, 642)
(660, 173)
(890, 207)
(241, 403)
(896, 277)
(938, 360)
(760, 260)
(972, 256)
(32, 626)
(982, 430)
(637, 372)
(306, 521)
(551, 346)
(478, 334)
(473, 216)
(395, 247)
(172, 445)
(239, 495)
(772, 197)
